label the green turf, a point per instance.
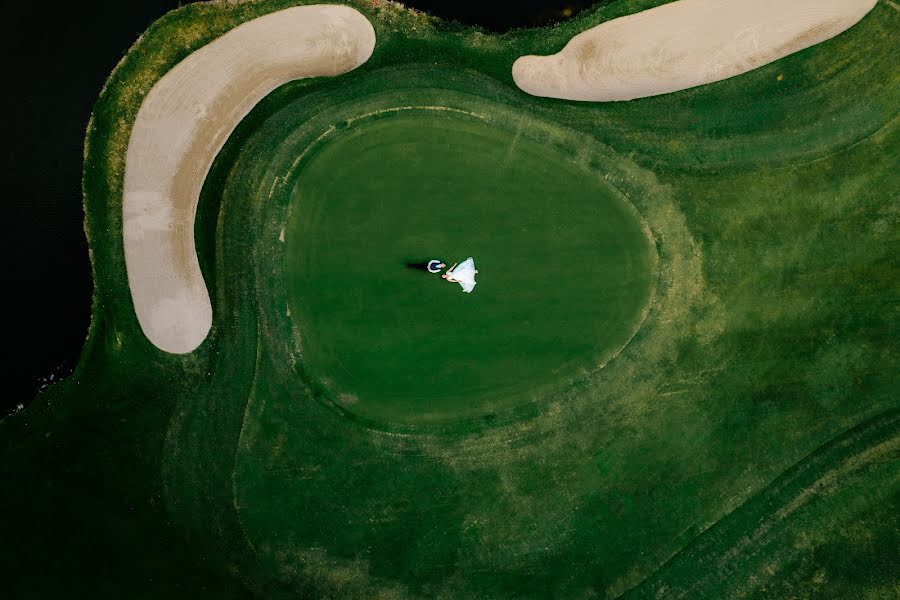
(743, 443)
(566, 268)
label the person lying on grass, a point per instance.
(432, 266)
(464, 275)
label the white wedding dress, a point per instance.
(464, 274)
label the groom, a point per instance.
(432, 266)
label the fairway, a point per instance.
(675, 378)
(565, 267)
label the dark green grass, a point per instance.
(566, 268)
(742, 444)
(839, 497)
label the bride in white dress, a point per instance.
(463, 274)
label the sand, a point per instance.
(181, 126)
(682, 45)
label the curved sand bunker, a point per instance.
(181, 126)
(681, 45)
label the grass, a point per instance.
(743, 443)
(567, 269)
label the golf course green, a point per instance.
(675, 378)
(570, 267)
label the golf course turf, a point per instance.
(676, 376)
(571, 267)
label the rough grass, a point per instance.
(743, 444)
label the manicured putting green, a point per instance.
(565, 267)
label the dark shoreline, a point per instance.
(57, 86)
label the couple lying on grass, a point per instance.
(463, 274)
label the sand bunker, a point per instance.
(182, 125)
(681, 45)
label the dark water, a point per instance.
(55, 59)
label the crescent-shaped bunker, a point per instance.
(181, 126)
(681, 45)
